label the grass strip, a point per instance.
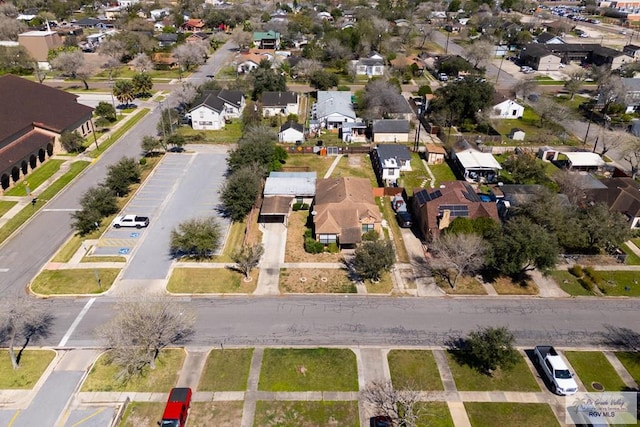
(483, 414)
(32, 364)
(593, 366)
(5, 206)
(35, 178)
(226, 370)
(74, 281)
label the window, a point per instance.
(367, 227)
(327, 238)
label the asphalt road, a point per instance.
(22, 257)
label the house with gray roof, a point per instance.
(282, 190)
(632, 94)
(275, 103)
(291, 132)
(333, 108)
(215, 107)
(388, 160)
(391, 130)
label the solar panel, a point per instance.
(435, 194)
(455, 210)
(422, 196)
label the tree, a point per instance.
(480, 53)
(142, 63)
(372, 258)
(265, 79)
(73, 64)
(257, 147)
(247, 258)
(113, 49)
(22, 319)
(575, 82)
(242, 38)
(463, 99)
(491, 348)
(71, 141)
(323, 80)
(525, 87)
(197, 238)
(381, 98)
(240, 191)
(141, 328)
(610, 87)
(385, 400)
(306, 67)
(551, 111)
(522, 247)
(85, 221)
(631, 154)
(121, 175)
(526, 168)
(458, 255)
(150, 144)
(101, 199)
(605, 230)
(11, 27)
(124, 91)
(190, 54)
(168, 122)
(186, 93)
(106, 111)
(142, 84)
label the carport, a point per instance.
(275, 209)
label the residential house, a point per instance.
(343, 210)
(390, 130)
(112, 12)
(504, 107)
(353, 132)
(251, 59)
(371, 66)
(476, 166)
(325, 16)
(435, 153)
(162, 60)
(166, 39)
(538, 57)
(402, 62)
(158, 14)
(200, 37)
(281, 190)
(632, 94)
(510, 196)
(620, 195)
(333, 108)
(632, 50)
(193, 26)
(388, 160)
(435, 209)
(88, 22)
(127, 3)
(31, 129)
(612, 58)
(38, 44)
(266, 40)
(398, 108)
(214, 108)
(291, 132)
(549, 38)
(280, 103)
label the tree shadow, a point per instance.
(34, 331)
(622, 339)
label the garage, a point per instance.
(275, 209)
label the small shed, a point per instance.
(291, 132)
(275, 209)
(435, 154)
(517, 134)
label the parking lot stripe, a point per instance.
(13, 419)
(87, 418)
(76, 322)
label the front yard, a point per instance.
(229, 135)
(610, 283)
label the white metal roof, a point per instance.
(473, 159)
(290, 184)
(584, 159)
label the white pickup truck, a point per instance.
(556, 370)
(131, 221)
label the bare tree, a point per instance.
(22, 319)
(306, 67)
(631, 155)
(188, 55)
(525, 87)
(612, 139)
(457, 255)
(186, 93)
(381, 98)
(399, 405)
(551, 111)
(141, 63)
(569, 183)
(242, 39)
(610, 87)
(480, 53)
(141, 328)
(247, 258)
(10, 28)
(575, 82)
(74, 65)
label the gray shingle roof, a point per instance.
(278, 99)
(292, 125)
(390, 126)
(393, 151)
(215, 99)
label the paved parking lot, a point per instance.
(183, 186)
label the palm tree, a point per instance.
(142, 84)
(124, 91)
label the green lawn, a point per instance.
(414, 178)
(127, 73)
(318, 369)
(36, 177)
(229, 135)
(593, 366)
(161, 379)
(529, 123)
(510, 414)
(433, 414)
(226, 370)
(308, 414)
(309, 162)
(573, 104)
(14, 223)
(519, 378)
(357, 165)
(142, 414)
(414, 369)
(5, 206)
(443, 173)
(631, 361)
(612, 283)
(210, 280)
(74, 281)
(32, 365)
(632, 258)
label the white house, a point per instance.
(211, 111)
(333, 108)
(275, 103)
(477, 166)
(291, 132)
(391, 130)
(373, 65)
(389, 160)
(507, 109)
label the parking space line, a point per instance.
(13, 419)
(87, 418)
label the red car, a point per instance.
(177, 408)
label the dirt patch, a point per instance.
(464, 286)
(307, 280)
(506, 286)
(355, 161)
(295, 242)
(215, 413)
